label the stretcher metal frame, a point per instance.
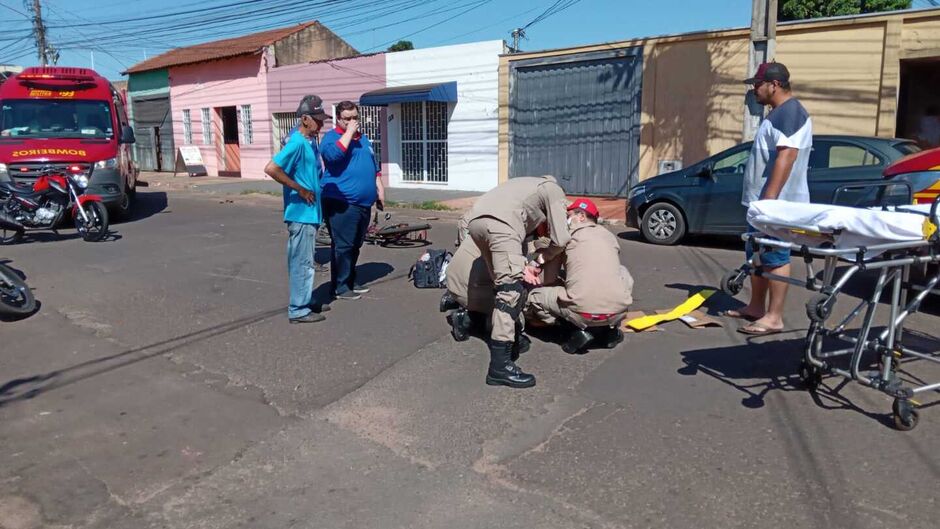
(893, 261)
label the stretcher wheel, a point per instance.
(810, 376)
(733, 282)
(818, 308)
(905, 415)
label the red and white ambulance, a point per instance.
(69, 119)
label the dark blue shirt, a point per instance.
(350, 172)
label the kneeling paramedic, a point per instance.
(499, 223)
(597, 289)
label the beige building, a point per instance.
(605, 116)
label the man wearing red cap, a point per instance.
(597, 289)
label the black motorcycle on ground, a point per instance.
(16, 299)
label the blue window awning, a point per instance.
(444, 92)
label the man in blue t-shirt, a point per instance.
(352, 183)
(297, 168)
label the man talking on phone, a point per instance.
(352, 183)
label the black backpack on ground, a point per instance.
(428, 271)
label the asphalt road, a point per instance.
(160, 385)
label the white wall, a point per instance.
(472, 134)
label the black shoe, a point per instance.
(613, 337)
(502, 371)
(313, 317)
(521, 347)
(448, 303)
(576, 343)
(348, 295)
(459, 324)
(323, 307)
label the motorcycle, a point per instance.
(44, 205)
(16, 299)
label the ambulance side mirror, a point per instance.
(127, 134)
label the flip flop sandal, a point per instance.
(752, 330)
(732, 313)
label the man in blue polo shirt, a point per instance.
(297, 168)
(352, 183)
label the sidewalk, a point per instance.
(612, 209)
(455, 200)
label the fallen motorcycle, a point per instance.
(45, 204)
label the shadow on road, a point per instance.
(148, 204)
(33, 386)
(758, 368)
(721, 242)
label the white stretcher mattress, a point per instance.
(845, 227)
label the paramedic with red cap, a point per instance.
(596, 290)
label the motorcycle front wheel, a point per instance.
(16, 299)
(96, 227)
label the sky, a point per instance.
(112, 35)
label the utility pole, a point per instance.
(762, 49)
(39, 31)
(516, 33)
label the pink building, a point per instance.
(219, 93)
(334, 80)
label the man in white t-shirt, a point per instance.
(776, 170)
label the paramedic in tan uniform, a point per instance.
(470, 292)
(597, 289)
(499, 223)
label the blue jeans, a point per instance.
(348, 224)
(301, 242)
(769, 257)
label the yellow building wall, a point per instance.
(836, 74)
(693, 100)
(845, 71)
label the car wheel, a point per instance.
(122, 211)
(663, 223)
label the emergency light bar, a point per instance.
(81, 75)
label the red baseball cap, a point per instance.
(586, 204)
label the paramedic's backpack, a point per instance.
(429, 271)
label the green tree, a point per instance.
(806, 9)
(401, 45)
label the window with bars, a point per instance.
(206, 127)
(247, 132)
(283, 122)
(424, 142)
(187, 128)
(370, 123)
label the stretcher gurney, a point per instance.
(888, 240)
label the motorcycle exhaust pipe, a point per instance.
(7, 223)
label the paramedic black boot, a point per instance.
(448, 302)
(576, 343)
(503, 372)
(611, 337)
(460, 324)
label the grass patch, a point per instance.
(428, 205)
(260, 192)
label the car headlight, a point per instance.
(4, 173)
(636, 190)
(80, 180)
(110, 163)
